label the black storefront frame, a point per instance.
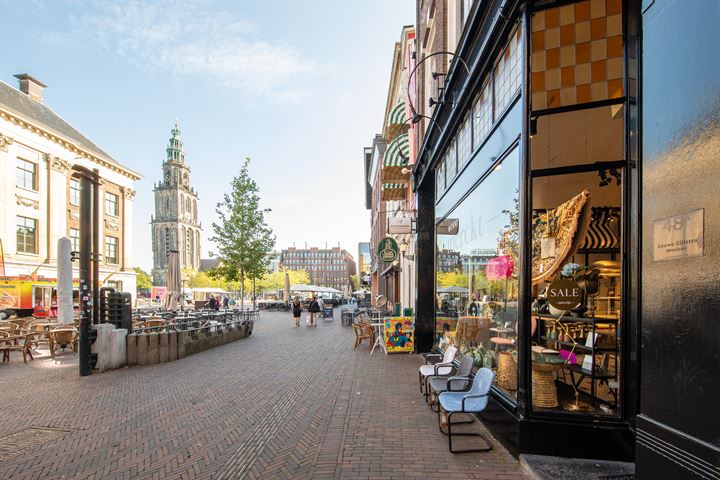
(517, 425)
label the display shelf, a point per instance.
(598, 373)
(571, 319)
(578, 346)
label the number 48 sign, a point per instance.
(679, 236)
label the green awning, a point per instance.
(397, 115)
(393, 191)
(395, 159)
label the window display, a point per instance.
(577, 262)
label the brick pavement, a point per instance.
(284, 403)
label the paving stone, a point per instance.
(285, 402)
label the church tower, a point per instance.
(175, 223)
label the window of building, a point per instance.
(26, 235)
(482, 115)
(464, 141)
(74, 192)
(75, 239)
(507, 74)
(111, 204)
(26, 174)
(116, 284)
(111, 250)
(486, 219)
(451, 161)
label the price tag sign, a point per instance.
(679, 236)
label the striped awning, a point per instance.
(395, 159)
(396, 122)
(393, 191)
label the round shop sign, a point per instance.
(564, 294)
(388, 250)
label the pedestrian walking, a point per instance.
(226, 302)
(297, 310)
(313, 308)
(212, 303)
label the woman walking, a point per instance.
(313, 308)
(297, 310)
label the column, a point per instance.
(425, 266)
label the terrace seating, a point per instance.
(443, 366)
(459, 381)
(473, 401)
(363, 331)
(63, 338)
(18, 343)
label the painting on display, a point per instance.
(399, 334)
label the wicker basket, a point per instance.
(507, 371)
(544, 391)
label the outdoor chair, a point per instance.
(472, 401)
(22, 343)
(362, 332)
(442, 366)
(62, 339)
(459, 381)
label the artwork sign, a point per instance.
(399, 334)
(564, 294)
(679, 236)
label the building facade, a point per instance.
(327, 267)
(392, 202)
(175, 225)
(41, 197)
(576, 141)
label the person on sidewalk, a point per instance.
(297, 310)
(226, 302)
(313, 308)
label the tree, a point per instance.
(355, 282)
(142, 279)
(203, 280)
(243, 238)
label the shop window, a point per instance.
(74, 192)
(451, 161)
(577, 137)
(111, 250)
(440, 181)
(507, 74)
(576, 250)
(477, 274)
(26, 235)
(26, 174)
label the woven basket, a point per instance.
(544, 391)
(507, 371)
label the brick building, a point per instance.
(328, 267)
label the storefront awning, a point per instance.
(395, 159)
(397, 122)
(393, 191)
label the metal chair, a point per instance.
(473, 401)
(459, 381)
(442, 368)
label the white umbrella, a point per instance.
(301, 288)
(174, 282)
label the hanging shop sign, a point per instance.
(449, 226)
(564, 294)
(388, 250)
(679, 236)
(400, 225)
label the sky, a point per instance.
(298, 86)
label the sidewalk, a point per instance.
(284, 403)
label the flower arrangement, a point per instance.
(569, 270)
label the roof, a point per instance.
(16, 102)
(209, 263)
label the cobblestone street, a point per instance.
(285, 403)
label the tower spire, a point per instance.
(175, 151)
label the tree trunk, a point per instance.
(253, 293)
(242, 290)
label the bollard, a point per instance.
(142, 349)
(153, 350)
(172, 346)
(164, 346)
(118, 348)
(132, 350)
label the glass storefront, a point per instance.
(477, 273)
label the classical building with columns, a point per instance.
(175, 223)
(39, 199)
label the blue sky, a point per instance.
(297, 86)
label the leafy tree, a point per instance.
(451, 279)
(355, 282)
(203, 280)
(243, 238)
(142, 279)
